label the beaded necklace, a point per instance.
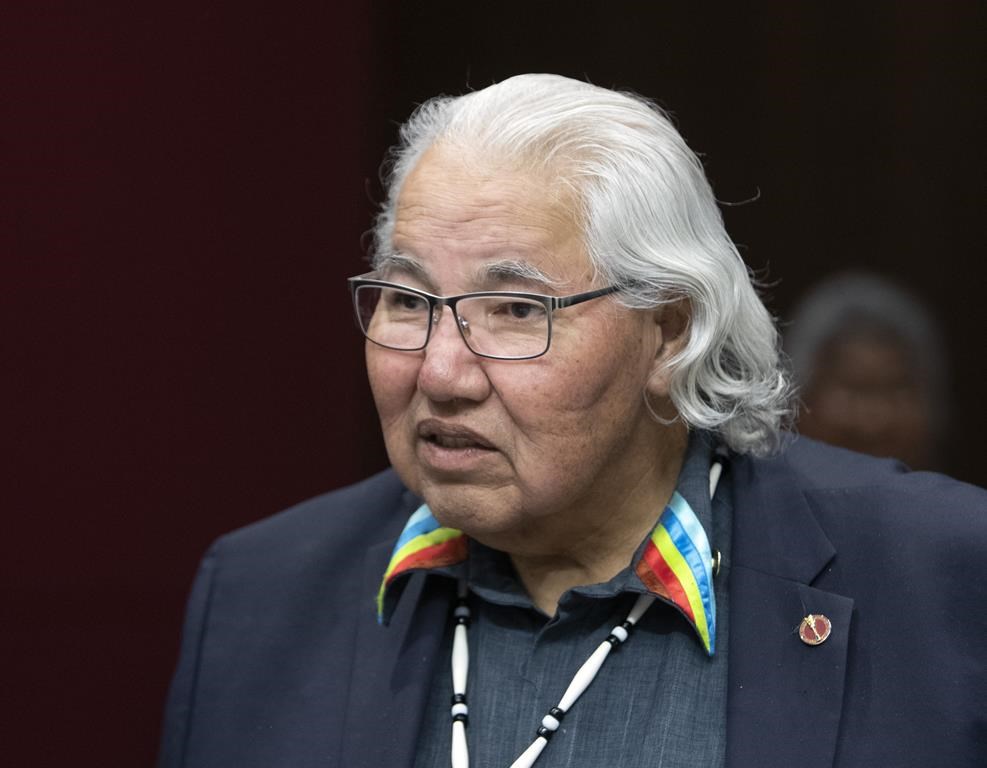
(580, 681)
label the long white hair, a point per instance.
(650, 224)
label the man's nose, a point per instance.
(449, 369)
(462, 322)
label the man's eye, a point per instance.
(520, 310)
(407, 302)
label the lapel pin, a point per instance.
(815, 629)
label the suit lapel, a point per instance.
(785, 697)
(392, 668)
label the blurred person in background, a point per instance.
(868, 359)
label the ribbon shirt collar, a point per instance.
(675, 562)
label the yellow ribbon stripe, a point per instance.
(673, 558)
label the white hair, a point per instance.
(650, 224)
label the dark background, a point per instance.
(185, 187)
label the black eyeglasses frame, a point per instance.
(551, 303)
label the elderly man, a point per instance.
(597, 545)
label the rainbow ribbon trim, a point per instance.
(677, 566)
(423, 543)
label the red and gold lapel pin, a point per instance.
(815, 629)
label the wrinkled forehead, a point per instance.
(493, 177)
(486, 275)
(486, 223)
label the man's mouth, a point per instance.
(451, 442)
(452, 436)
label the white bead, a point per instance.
(461, 610)
(550, 722)
(460, 709)
(714, 477)
(642, 604)
(460, 753)
(585, 675)
(620, 633)
(528, 757)
(460, 659)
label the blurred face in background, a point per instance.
(866, 394)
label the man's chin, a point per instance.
(476, 510)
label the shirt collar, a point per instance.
(675, 562)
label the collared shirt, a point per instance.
(660, 699)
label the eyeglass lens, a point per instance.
(500, 325)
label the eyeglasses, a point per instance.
(503, 325)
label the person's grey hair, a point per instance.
(650, 224)
(855, 304)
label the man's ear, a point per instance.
(673, 321)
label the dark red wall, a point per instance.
(183, 198)
(184, 191)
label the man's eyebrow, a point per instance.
(510, 270)
(489, 276)
(398, 262)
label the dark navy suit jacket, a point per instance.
(284, 664)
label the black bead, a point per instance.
(459, 698)
(613, 640)
(557, 713)
(627, 625)
(545, 733)
(464, 719)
